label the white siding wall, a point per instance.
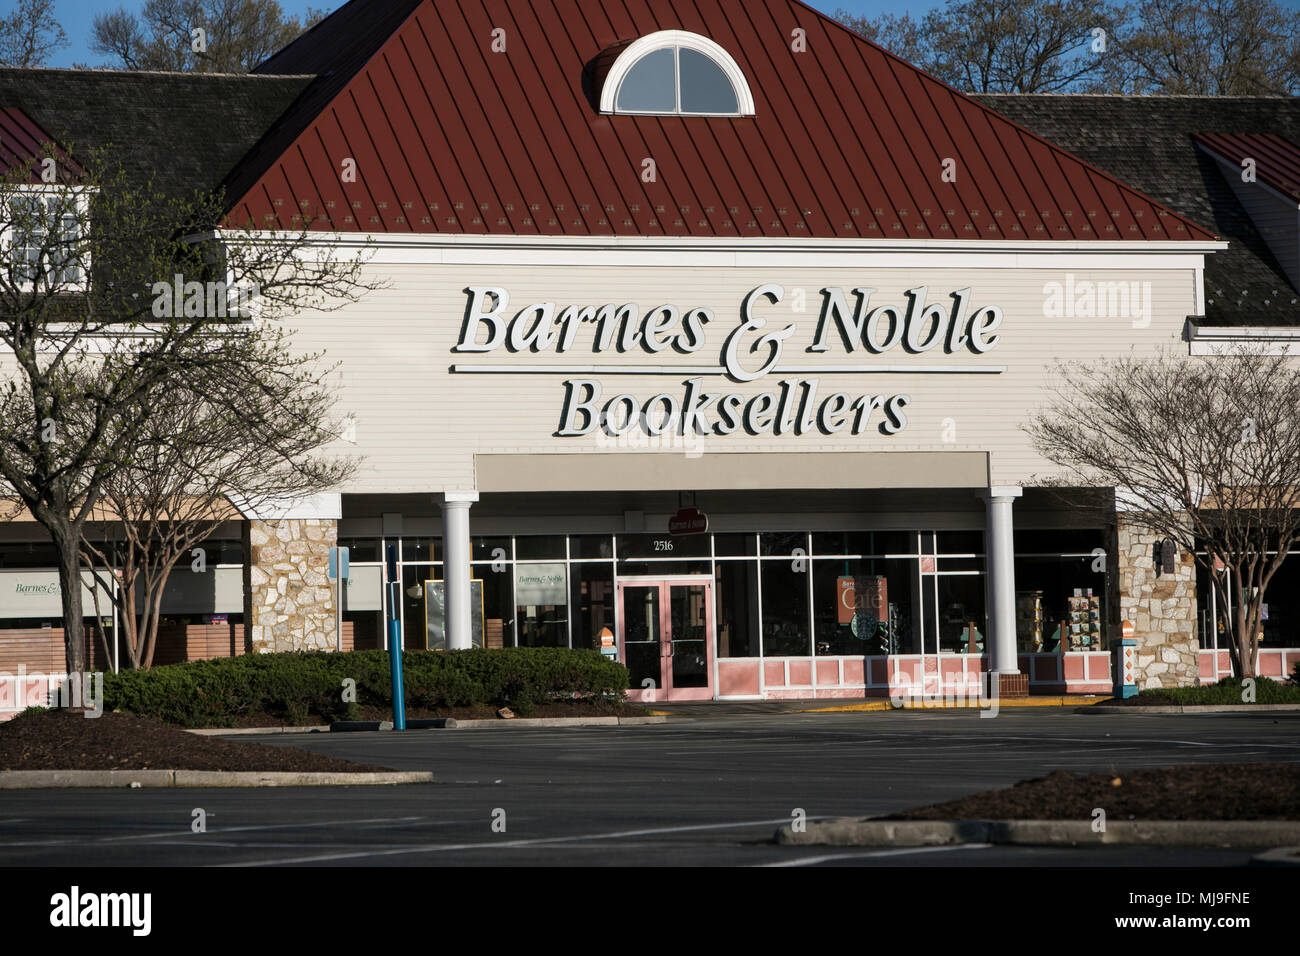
(418, 425)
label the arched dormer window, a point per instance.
(675, 72)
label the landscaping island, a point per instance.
(64, 740)
(1251, 791)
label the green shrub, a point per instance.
(304, 687)
(1229, 691)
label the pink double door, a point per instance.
(666, 637)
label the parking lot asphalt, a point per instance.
(692, 791)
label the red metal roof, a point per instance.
(847, 141)
(23, 142)
(1277, 160)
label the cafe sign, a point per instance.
(868, 333)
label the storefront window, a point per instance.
(542, 605)
(1205, 604)
(783, 543)
(361, 549)
(540, 547)
(735, 545)
(223, 552)
(592, 600)
(591, 546)
(419, 549)
(1281, 611)
(415, 634)
(489, 549)
(864, 543)
(961, 622)
(1061, 594)
(863, 607)
(785, 608)
(363, 607)
(28, 555)
(736, 598)
(960, 542)
(498, 603)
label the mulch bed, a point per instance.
(61, 740)
(1250, 791)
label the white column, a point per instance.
(1000, 544)
(456, 567)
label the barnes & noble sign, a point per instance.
(857, 335)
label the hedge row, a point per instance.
(302, 687)
(1229, 691)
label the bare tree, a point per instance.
(900, 35)
(1003, 46)
(204, 36)
(1203, 451)
(30, 34)
(86, 348)
(1209, 47)
(254, 431)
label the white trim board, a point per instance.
(676, 252)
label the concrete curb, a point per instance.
(560, 722)
(1282, 856)
(220, 731)
(848, 832)
(886, 704)
(455, 723)
(44, 779)
(1187, 709)
(357, 726)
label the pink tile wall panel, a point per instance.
(737, 678)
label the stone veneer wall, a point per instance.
(288, 597)
(1162, 608)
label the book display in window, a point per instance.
(1083, 620)
(1029, 621)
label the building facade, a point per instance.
(712, 332)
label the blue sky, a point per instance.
(76, 17)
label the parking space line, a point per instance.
(903, 851)
(507, 844)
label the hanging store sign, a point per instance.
(688, 521)
(541, 584)
(750, 352)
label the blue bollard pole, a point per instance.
(395, 668)
(395, 639)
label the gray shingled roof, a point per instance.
(1146, 141)
(190, 130)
